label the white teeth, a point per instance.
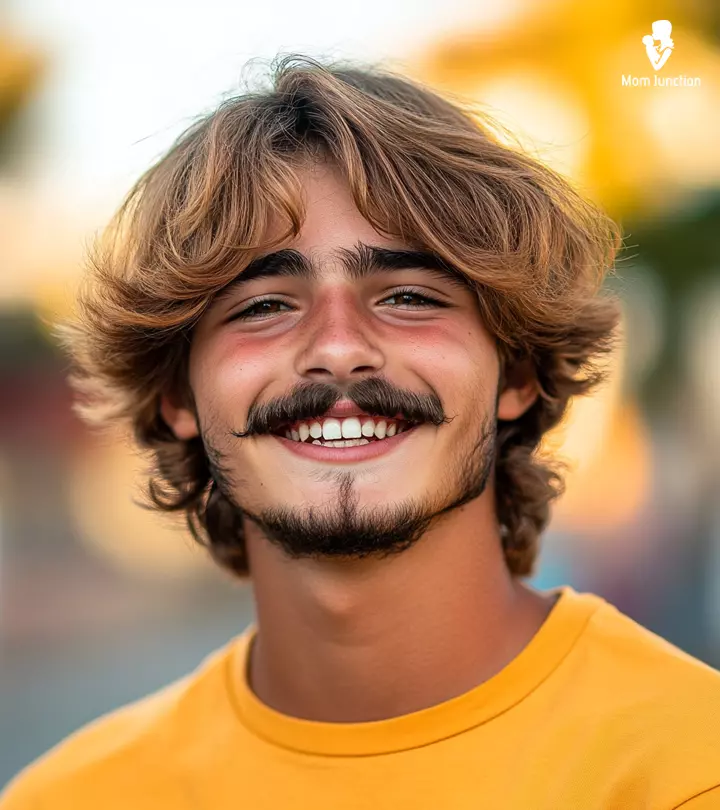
(351, 428)
(335, 431)
(331, 429)
(343, 443)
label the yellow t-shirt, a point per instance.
(596, 712)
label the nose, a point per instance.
(339, 341)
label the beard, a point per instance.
(344, 530)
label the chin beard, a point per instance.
(345, 530)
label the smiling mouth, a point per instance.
(402, 425)
(350, 450)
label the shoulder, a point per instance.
(643, 660)
(650, 704)
(104, 755)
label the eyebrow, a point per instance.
(358, 263)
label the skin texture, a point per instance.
(345, 635)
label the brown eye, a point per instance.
(426, 299)
(256, 310)
(247, 314)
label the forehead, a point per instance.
(332, 223)
(331, 215)
(335, 237)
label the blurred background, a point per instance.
(102, 602)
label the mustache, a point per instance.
(373, 395)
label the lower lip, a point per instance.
(360, 452)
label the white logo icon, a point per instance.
(660, 53)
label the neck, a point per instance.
(375, 639)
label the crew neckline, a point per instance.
(542, 654)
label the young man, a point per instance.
(341, 315)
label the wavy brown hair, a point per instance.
(427, 168)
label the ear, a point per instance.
(179, 419)
(520, 390)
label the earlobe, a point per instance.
(514, 402)
(520, 392)
(180, 420)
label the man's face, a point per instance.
(335, 332)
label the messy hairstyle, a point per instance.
(428, 168)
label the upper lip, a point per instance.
(344, 408)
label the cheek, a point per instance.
(454, 358)
(450, 356)
(463, 366)
(228, 374)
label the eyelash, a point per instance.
(243, 316)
